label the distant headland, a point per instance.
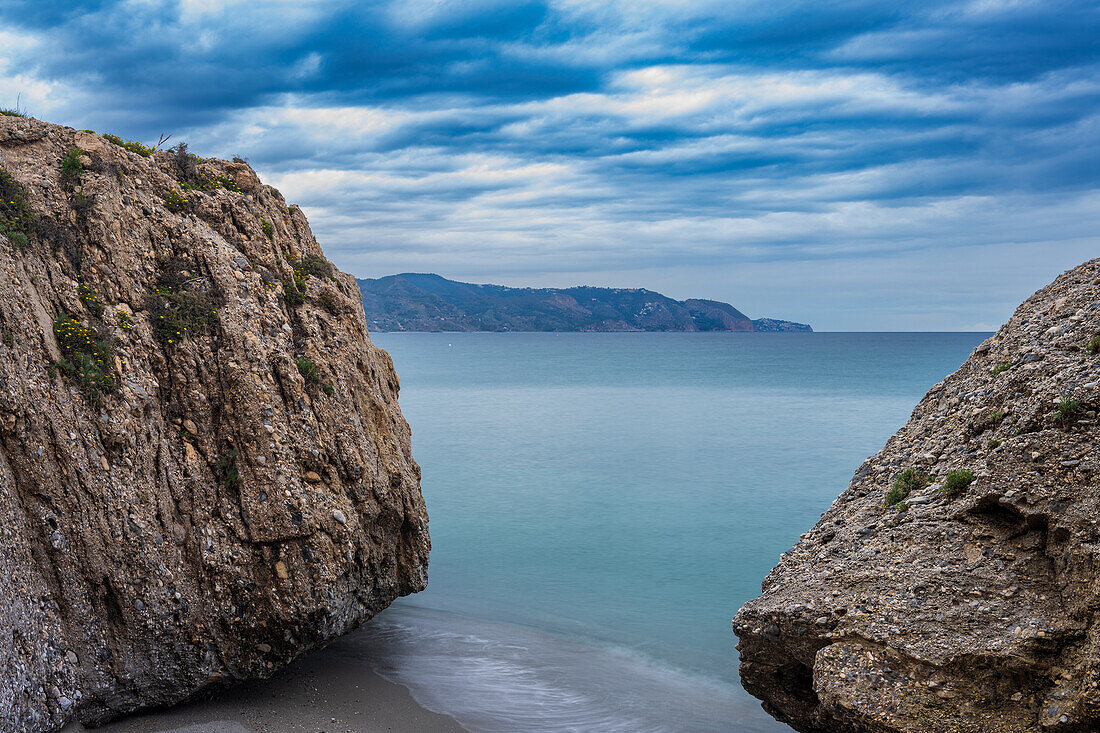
(428, 302)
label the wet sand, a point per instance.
(332, 691)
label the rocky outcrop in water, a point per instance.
(954, 585)
(771, 325)
(203, 469)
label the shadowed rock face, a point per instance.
(972, 612)
(196, 507)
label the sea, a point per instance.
(602, 504)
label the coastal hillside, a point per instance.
(426, 302)
(953, 586)
(204, 472)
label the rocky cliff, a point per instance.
(954, 585)
(203, 469)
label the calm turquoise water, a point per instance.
(602, 504)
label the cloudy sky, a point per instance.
(855, 164)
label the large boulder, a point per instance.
(960, 605)
(204, 472)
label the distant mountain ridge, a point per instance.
(429, 302)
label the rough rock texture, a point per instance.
(973, 612)
(203, 508)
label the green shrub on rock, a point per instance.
(292, 295)
(15, 213)
(216, 181)
(317, 266)
(993, 420)
(230, 477)
(308, 369)
(905, 483)
(328, 302)
(71, 166)
(88, 358)
(956, 482)
(180, 310)
(176, 202)
(132, 146)
(90, 298)
(312, 374)
(1067, 409)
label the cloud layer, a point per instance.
(721, 149)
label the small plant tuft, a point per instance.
(15, 111)
(15, 213)
(90, 298)
(216, 181)
(317, 266)
(328, 389)
(905, 483)
(269, 230)
(124, 321)
(1093, 346)
(301, 272)
(1004, 366)
(994, 443)
(956, 482)
(179, 309)
(187, 165)
(993, 420)
(176, 202)
(136, 147)
(88, 357)
(71, 167)
(1066, 411)
(132, 146)
(308, 369)
(328, 302)
(292, 296)
(227, 466)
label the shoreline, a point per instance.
(331, 691)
